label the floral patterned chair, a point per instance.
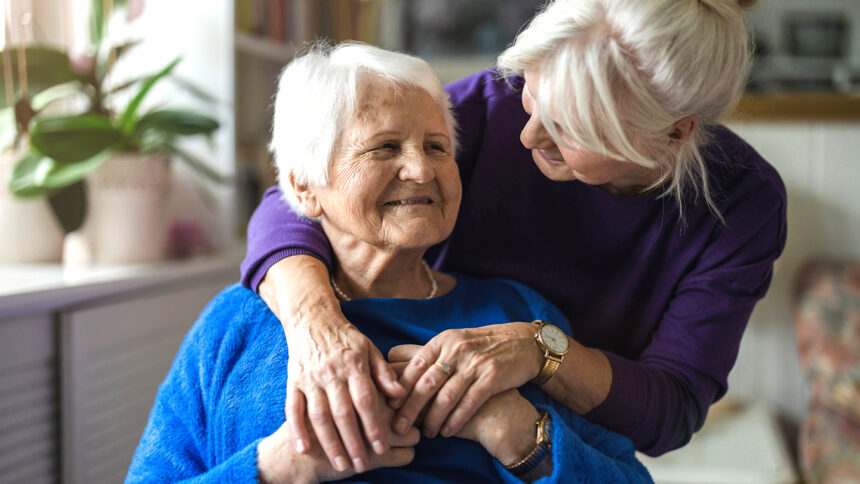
(828, 336)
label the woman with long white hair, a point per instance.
(596, 170)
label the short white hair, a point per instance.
(617, 74)
(317, 96)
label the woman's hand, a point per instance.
(335, 372)
(484, 361)
(278, 461)
(505, 425)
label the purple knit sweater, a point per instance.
(666, 301)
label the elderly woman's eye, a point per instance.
(387, 146)
(436, 147)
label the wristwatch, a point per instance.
(554, 344)
(543, 445)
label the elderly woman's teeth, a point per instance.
(410, 202)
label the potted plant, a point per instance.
(29, 233)
(117, 160)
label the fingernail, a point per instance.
(446, 431)
(401, 425)
(300, 446)
(378, 447)
(341, 463)
(358, 464)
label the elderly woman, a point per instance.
(596, 171)
(371, 157)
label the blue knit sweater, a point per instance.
(226, 389)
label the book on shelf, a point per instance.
(378, 22)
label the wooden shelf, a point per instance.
(798, 107)
(263, 48)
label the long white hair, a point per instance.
(616, 75)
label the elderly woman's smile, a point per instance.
(393, 181)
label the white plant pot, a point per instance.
(29, 232)
(127, 209)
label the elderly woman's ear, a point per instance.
(307, 198)
(682, 129)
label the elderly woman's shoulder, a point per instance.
(514, 298)
(236, 309)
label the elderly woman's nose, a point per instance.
(417, 167)
(534, 135)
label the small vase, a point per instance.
(29, 232)
(128, 203)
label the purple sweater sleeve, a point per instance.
(276, 232)
(662, 397)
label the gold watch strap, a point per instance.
(539, 453)
(550, 365)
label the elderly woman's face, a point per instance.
(393, 181)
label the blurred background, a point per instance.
(107, 255)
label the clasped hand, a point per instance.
(334, 377)
(483, 362)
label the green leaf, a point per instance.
(97, 22)
(75, 138)
(198, 165)
(69, 205)
(64, 174)
(46, 67)
(56, 93)
(29, 175)
(129, 117)
(37, 175)
(194, 90)
(172, 122)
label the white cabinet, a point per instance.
(81, 358)
(29, 401)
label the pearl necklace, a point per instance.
(433, 285)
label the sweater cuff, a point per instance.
(255, 277)
(558, 450)
(240, 467)
(614, 412)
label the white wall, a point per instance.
(820, 165)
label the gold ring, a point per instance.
(445, 368)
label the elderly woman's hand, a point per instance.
(504, 425)
(483, 362)
(335, 373)
(278, 462)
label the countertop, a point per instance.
(31, 288)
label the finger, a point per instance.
(474, 398)
(384, 375)
(343, 412)
(321, 420)
(296, 419)
(410, 438)
(419, 362)
(443, 403)
(398, 367)
(428, 384)
(365, 397)
(403, 352)
(396, 457)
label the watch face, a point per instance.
(547, 429)
(554, 338)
